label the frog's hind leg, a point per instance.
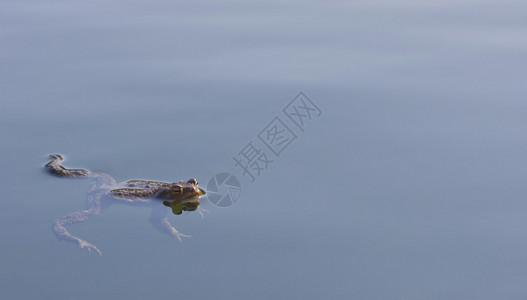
(56, 168)
(59, 227)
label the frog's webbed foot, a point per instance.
(201, 211)
(89, 247)
(179, 235)
(173, 231)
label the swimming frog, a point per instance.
(105, 191)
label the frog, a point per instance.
(104, 191)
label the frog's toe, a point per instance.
(56, 156)
(179, 235)
(89, 247)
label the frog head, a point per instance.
(180, 191)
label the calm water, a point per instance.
(409, 185)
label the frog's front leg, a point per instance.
(59, 227)
(160, 222)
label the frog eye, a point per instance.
(177, 190)
(193, 181)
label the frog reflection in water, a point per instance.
(104, 191)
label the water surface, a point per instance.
(410, 184)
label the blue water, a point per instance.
(410, 184)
